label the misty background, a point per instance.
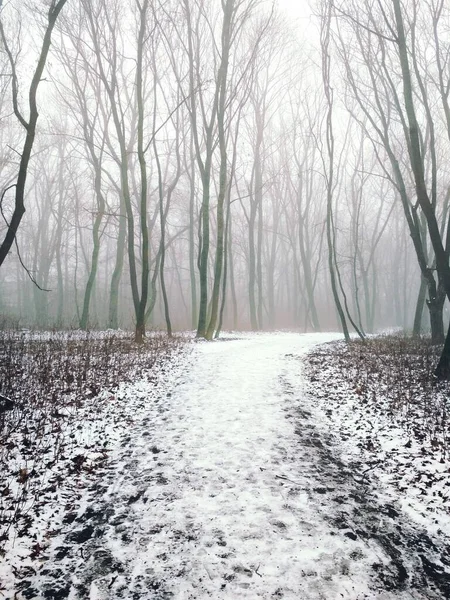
(240, 165)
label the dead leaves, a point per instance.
(23, 476)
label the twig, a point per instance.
(2, 198)
(27, 270)
(363, 474)
(287, 479)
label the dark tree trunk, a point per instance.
(442, 370)
(436, 308)
(113, 316)
(417, 327)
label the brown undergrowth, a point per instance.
(392, 374)
(50, 384)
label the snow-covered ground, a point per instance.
(397, 443)
(223, 481)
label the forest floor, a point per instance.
(257, 466)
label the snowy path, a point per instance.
(224, 490)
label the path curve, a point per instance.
(222, 490)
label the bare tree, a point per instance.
(27, 122)
(325, 31)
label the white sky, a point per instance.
(299, 11)
(296, 8)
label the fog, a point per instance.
(211, 165)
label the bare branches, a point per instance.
(13, 185)
(27, 270)
(29, 126)
(14, 80)
(358, 23)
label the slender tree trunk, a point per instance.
(225, 268)
(192, 270)
(259, 267)
(145, 269)
(232, 277)
(325, 40)
(113, 315)
(306, 263)
(252, 268)
(163, 241)
(228, 7)
(84, 321)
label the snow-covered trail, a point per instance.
(231, 516)
(221, 490)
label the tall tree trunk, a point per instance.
(84, 321)
(326, 65)
(259, 262)
(204, 254)
(415, 154)
(436, 307)
(113, 314)
(442, 370)
(252, 268)
(228, 7)
(232, 277)
(145, 269)
(225, 267)
(192, 270)
(163, 242)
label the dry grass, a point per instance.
(395, 373)
(51, 378)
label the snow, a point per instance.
(412, 472)
(223, 480)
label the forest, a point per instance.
(224, 286)
(191, 166)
